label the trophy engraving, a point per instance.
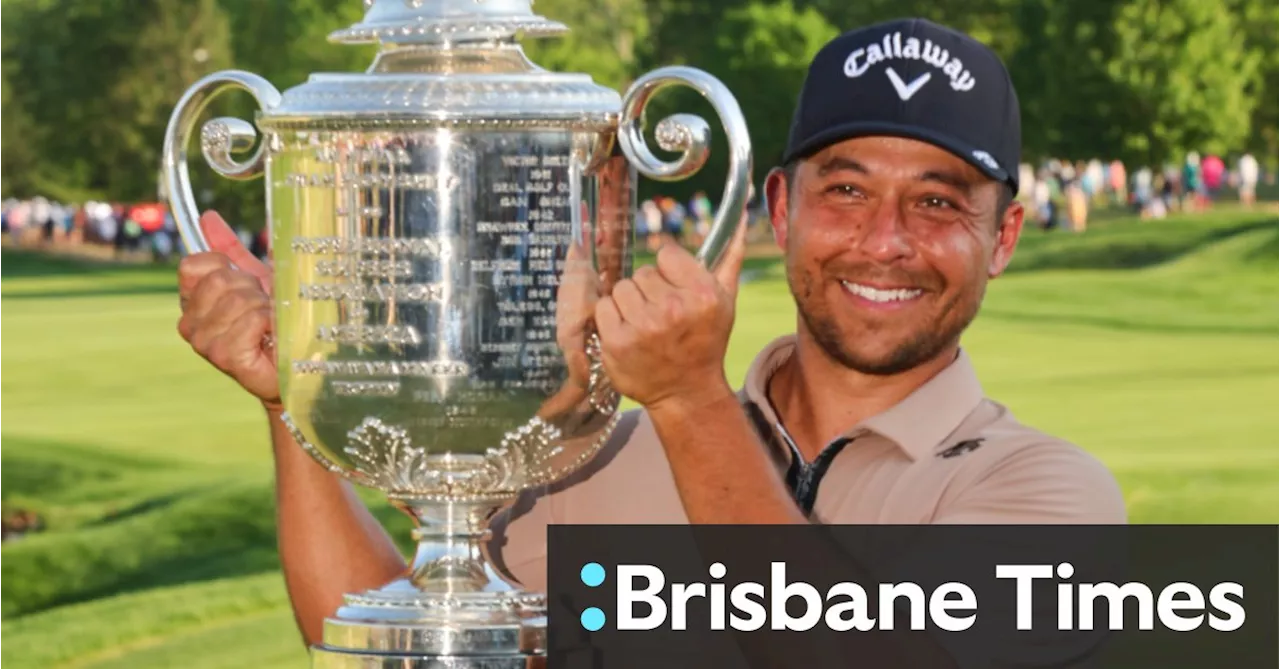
(442, 226)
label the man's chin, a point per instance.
(877, 359)
(880, 365)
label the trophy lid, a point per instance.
(441, 21)
(447, 63)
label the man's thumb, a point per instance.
(225, 241)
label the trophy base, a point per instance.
(452, 610)
(324, 659)
(394, 627)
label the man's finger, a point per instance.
(224, 240)
(730, 267)
(652, 284)
(631, 303)
(608, 318)
(679, 267)
(247, 334)
(193, 269)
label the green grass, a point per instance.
(1151, 344)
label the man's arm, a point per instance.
(724, 477)
(721, 469)
(330, 544)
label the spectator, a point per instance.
(1248, 179)
(1118, 181)
(1211, 171)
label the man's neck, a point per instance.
(817, 398)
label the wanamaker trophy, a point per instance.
(441, 226)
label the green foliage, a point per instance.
(766, 49)
(88, 86)
(1184, 72)
(1145, 81)
(98, 81)
(604, 39)
(20, 163)
(1259, 22)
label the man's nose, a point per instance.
(884, 233)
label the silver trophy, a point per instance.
(441, 228)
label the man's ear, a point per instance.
(776, 192)
(1006, 238)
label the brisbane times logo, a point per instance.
(644, 600)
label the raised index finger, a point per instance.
(224, 240)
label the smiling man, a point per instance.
(895, 207)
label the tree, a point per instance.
(1185, 74)
(285, 41)
(766, 50)
(1259, 21)
(101, 79)
(604, 39)
(19, 159)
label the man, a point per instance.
(894, 207)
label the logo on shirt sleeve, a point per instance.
(966, 446)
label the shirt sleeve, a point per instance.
(1037, 484)
(1044, 483)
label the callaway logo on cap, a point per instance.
(912, 78)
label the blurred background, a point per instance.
(1138, 319)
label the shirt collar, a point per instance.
(919, 424)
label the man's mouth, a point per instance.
(881, 295)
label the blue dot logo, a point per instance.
(592, 619)
(592, 574)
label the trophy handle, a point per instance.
(219, 138)
(692, 136)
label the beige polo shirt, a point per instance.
(945, 454)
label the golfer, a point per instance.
(894, 207)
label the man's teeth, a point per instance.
(877, 295)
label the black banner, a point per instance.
(756, 597)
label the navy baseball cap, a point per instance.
(912, 78)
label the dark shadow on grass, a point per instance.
(1266, 252)
(149, 504)
(37, 448)
(228, 530)
(1118, 323)
(106, 291)
(209, 567)
(18, 263)
(1172, 374)
(1124, 246)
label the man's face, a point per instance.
(889, 246)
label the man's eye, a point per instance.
(935, 202)
(843, 190)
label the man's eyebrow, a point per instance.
(949, 179)
(839, 163)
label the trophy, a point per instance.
(441, 227)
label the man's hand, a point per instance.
(664, 332)
(227, 312)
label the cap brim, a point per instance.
(962, 150)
